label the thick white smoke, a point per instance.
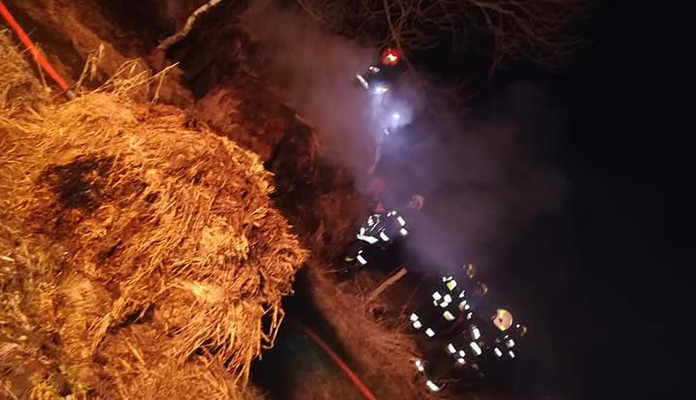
(483, 176)
(317, 73)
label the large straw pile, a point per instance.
(139, 252)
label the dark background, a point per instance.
(628, 159)
(605, 285)
(620, 329)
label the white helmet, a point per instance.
(502, 319)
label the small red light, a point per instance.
(390, 57)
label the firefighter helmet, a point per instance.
(502, 319)
(470, 270)
(391, 56)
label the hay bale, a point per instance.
(244, 111)
(19, 91)
(145, 256)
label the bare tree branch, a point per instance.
(534, 29)
(184, 31)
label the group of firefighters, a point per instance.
(460, 334)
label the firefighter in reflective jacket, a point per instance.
(382, 76)
(448, 307)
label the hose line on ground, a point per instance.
(43, 62)
(341, 364)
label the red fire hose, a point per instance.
(341, 364)
(24, 38)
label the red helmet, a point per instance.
(391, 56)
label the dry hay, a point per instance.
(245, 114)
(140, 255)
(72, 32)
(383, 353)
(381, 350)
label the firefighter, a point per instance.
(380, 77)
(380, 238)
(446, 308)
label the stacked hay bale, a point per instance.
(140, 255)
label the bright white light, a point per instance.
(384, 236)
(448, 316)
(497, 352)
(362, 259)
(362, 81)
(448, 298)
(437, 296)
(462, 294)
(475, 332)
(396, 116)
(432, 386)
(461, 360)
(403, 232)
(461, 353)
(430, 332)
(381, 89)
(414, 317)
(451, 349)
(368, 239)
(451, 284)
(475, 347)
(469, 315)
(401, 220)
(417, 324)
(510, 343)
(462, 305)
(511, 354)
(419, 366)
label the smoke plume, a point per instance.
(316, 71)
(481, 169)
(494, 196)
(485, 173)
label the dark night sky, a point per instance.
(612, 297)
(625, 151)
